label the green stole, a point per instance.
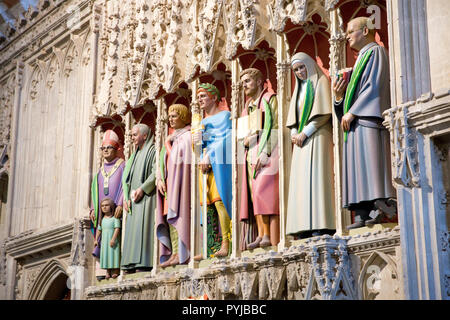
(356, 75)
(94, 197)
(307, 106)
(162, 166)
(267, 129)
(125, 186)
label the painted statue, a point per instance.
(259, 188)
(107, 183)
(216, 160)
(109, 231)
(139, 192)
(359, 104)
(173, 218)
(311, 205)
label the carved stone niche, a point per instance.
(375, 259)
(378, 279)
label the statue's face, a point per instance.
(355, 35)
(205, 101)
(250, 85)
(300, 70)
(106, 207)
(109, 152)
(137, 137)
(175, 120)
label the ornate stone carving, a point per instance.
(78, 252)
(107, 102)
(282, 10)
(378, 278)
(31, 276)
(272, 279)
(18, 291)
(405, 158)
(160, 67)
(203, 44)
(241, 17)
(7, 94)
(320, 270)
(444, 239)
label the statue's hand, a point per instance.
(339, 87)
(118, 212)
(205, 165)
(161, 187)
(262, 161)
(347, 120)
(250, 140)
(298, 139)
(126, 205)
(138, 195)
(92, 215)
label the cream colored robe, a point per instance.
(311, 204)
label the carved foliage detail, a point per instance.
(287, 9)
(202, 46)
(405, 152)
(241, 16)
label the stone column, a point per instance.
(195, 203)
(160, 135)
(13, 143)
(284, 141)
(419, 116)
(337, 62)
(235, 112)
(81, 253)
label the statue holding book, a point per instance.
(259, 203)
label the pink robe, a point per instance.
(265, 192)
(178, 183)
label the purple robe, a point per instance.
(115, 186)
(178, 185)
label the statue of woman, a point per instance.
(311, 204)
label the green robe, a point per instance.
(140, 172)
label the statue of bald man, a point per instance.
(359, 105)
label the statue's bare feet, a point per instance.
(166, 263)
(175, 260)
(223, 252)
(198, 257)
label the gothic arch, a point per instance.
(372, 266)
(53, 271)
